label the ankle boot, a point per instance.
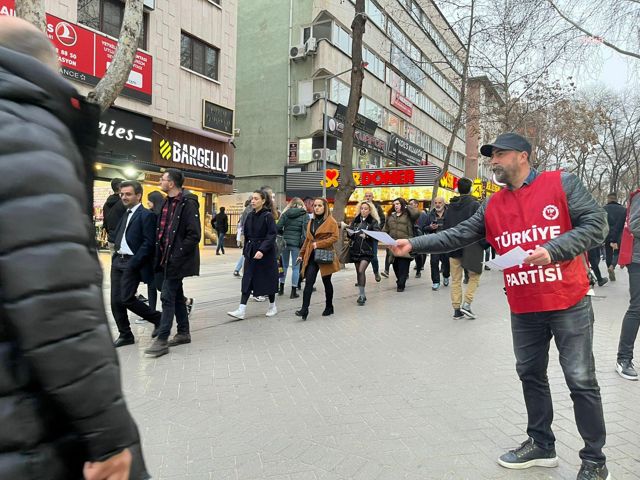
(294, 293)
(281, 290)
(303, 312)
(328, 310)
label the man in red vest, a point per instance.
(630, 257)
(556, 220)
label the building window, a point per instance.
(106, 16)
(199, 56)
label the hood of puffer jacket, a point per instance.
(295, 212)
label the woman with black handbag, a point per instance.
(318, 255)
(361, 246)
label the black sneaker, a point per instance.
(457, 313)
(602, 282)
(593, 471)
(465, 308)
(529, 455)
(625, 369)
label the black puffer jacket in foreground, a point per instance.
(61, 402)
(589, 230)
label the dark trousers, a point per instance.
(610, 255)
(594, 260)
(173, 304)
(438, 260)
(310, 276)
(421, 259)
(124, 284)
(401, 269)
(573, 332)
(374, 261)
(220, 245)
(631, 320)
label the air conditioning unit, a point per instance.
(318, 153)
(317, 96)
(298, 110)
(311, 46)
(297, 53)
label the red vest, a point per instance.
(625, 256)
(530, 217)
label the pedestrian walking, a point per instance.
(418, 229)
(240, 236)
(132, 263)
(553, 217)
(112, 212)
(399, 225)
(315, 256)
(155, 200)
(616, 215)
(177, 256)
(630, 257)
(466, 263)
(220, 223)
(292, 225)
(63, 414)
(439, 262)
(260, 276)
(375, 264)
(595, 256)
(361, 245)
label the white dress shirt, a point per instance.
(124, 246)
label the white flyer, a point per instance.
(382, 237)
(512, 258)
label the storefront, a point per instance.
(133, 147)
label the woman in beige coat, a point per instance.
(322, 233)
(400, 225)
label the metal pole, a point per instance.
(324, 140)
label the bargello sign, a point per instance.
(185, 150)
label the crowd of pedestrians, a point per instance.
(64, 414)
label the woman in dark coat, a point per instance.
(261, 265)
(155, 200)
(322, 233)
(400, 225)
(361, 245)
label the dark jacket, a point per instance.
(220, 222)
(112, 213)
(183, 255)
(421, 223)
(460, 209)
(616, 216)
(587, 217)
(361, 245)
(140, 237)
(634, 227)
(61, 401)
(380, 214)
(435, 219)
(260, 277)
(293, 226)
(401, 226)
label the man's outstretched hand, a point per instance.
(402, 248)
(540, 256)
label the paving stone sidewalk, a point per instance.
(396, 389)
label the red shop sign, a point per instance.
(401, 103)
(85, 55)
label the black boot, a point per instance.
(328, 310)
(294, 294)
(303, 312)
(281, 291)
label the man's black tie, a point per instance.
(121, 228)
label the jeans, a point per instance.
(436, 260)
(124, 283)
(310, 276)
(455, 264)
(401, 269)
(295, 274)
(240, 263)
(173, 303)
(220, 245)
(631, 320)
(374, 261)
(573, 332)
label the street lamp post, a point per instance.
(324, 128)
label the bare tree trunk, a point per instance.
(33, 12)
(463, 97)
(117, 74)
(347, 184)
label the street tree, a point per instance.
(110, 86)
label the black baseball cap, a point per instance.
(507, 141)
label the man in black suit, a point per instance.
(132, 262)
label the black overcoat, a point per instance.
(260, 277)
